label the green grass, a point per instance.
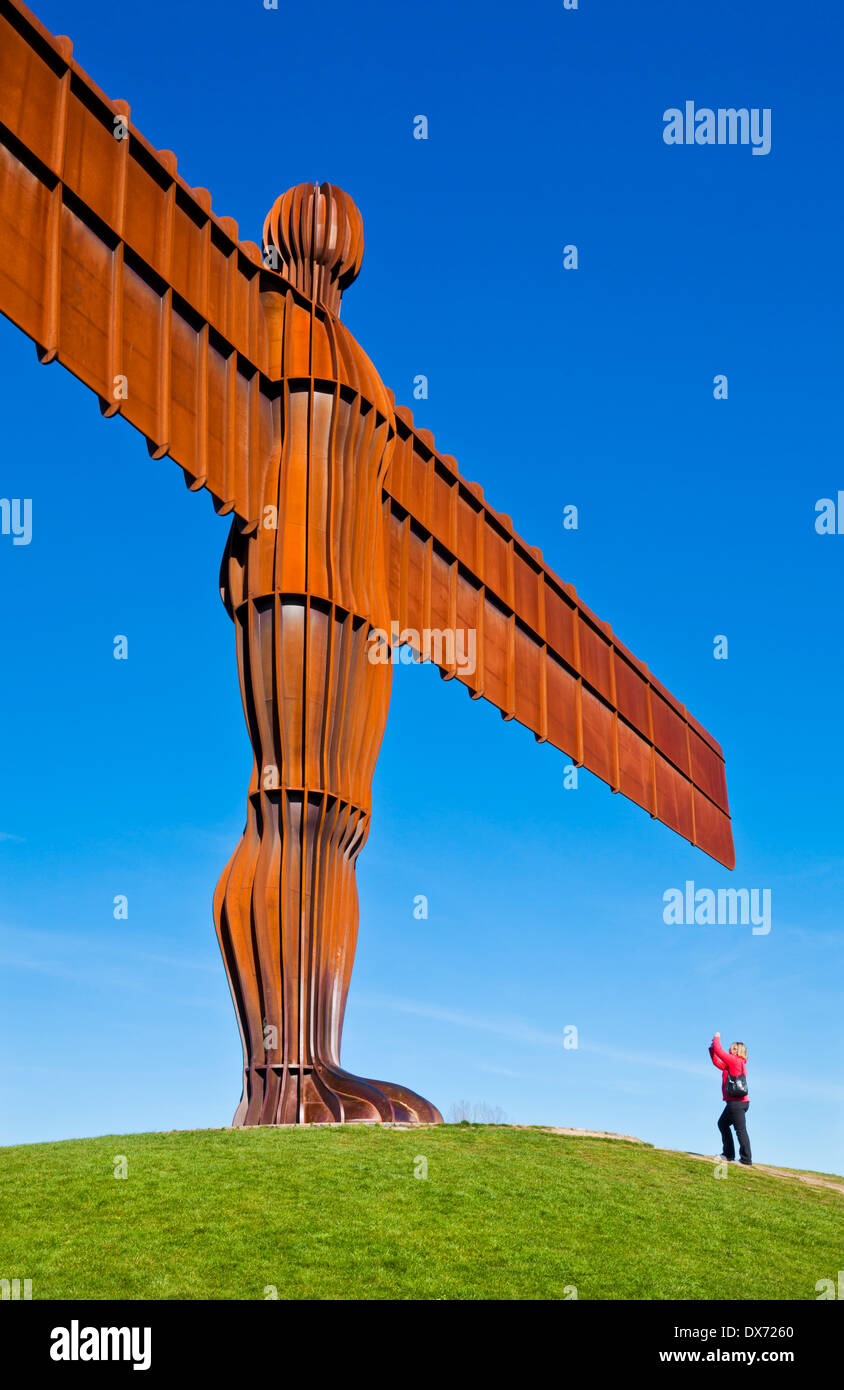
(338, 1213)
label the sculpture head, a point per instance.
(317, 233)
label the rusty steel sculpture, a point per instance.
(346, 520)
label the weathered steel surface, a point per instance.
(543, 658)
(305, 595)
(347, 519)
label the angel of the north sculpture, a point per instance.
(346, 521)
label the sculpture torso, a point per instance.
(319, 548)
(321, 527)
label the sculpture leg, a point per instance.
(286, 907)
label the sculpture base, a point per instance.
(276, 1094)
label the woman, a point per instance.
(733, 1064)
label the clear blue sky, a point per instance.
(592, 387)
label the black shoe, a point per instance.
(745, 1163)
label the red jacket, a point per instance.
(730, 1066)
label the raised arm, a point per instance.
(543, 658)
(723, 1058)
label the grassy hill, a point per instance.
(339, 1213)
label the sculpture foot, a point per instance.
(323, 1094)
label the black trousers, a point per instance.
(735, 1114)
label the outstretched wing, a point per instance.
(121, 272)
(542, 657)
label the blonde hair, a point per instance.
(739, 1050)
